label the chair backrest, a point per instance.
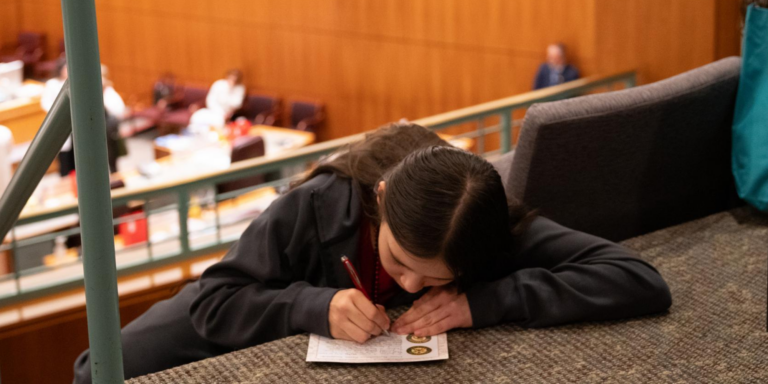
(625, 163)
(243, 148)
(259, 104)
(193, 95)
(247, 147)
(31, 41)
(306, 113)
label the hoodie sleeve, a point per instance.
(562, 276)
(259, 293)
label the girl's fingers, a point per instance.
(355, 333)
(425, 321)
(364, 323)
(437, 328)
(420, 309)
(371, 313)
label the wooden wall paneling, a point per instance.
(373, 62)
(659, 38)
(728, 28)
(9, 24)
(43, 16)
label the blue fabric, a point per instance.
(750, 121)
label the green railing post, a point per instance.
(94, 199)
(506, 131)
(183, 218)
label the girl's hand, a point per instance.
(353, 317)
(438, 311)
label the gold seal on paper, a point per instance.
(418, 339)
(419, 350)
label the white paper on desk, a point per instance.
(381, 349)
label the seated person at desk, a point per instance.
(421, 220)
(556, 70)
(226, 95)
(165, 91)
(113, 103)
(51, 90)
(116, 111)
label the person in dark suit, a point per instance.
(556, 70)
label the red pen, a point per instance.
(356, 280)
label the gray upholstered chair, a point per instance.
(625, 163)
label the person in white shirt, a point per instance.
(115, 111)
(113, 103)
(226, 95)
(53, 86)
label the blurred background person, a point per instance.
(226, 95)
(115, 111)
(556, 70)
(53, 86)
(113, 103)
(166, 92)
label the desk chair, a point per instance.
(243, 148)
(625, 163)
(151, 116)
(193, 99)
(46, 69)
(306, 115)
(30, 49)
(261, 109)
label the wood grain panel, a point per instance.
(377, 61)
(10, 13)
(370, 62)
(660, 38)
(729, 24)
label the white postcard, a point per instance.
(381, 349)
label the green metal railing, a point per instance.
(490, 125)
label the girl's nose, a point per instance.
(411, 282)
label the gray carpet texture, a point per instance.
(715, 331)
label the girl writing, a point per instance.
(426, 225)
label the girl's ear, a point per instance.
(380, 190)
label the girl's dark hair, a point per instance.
(439, 201)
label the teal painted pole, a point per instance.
(47, 142)
(94, 200)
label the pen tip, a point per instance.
(344, 258)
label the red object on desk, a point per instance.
(133, 232)
(73, 181)
(239, 128)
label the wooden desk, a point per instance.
(276, 140)
(23, 116)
